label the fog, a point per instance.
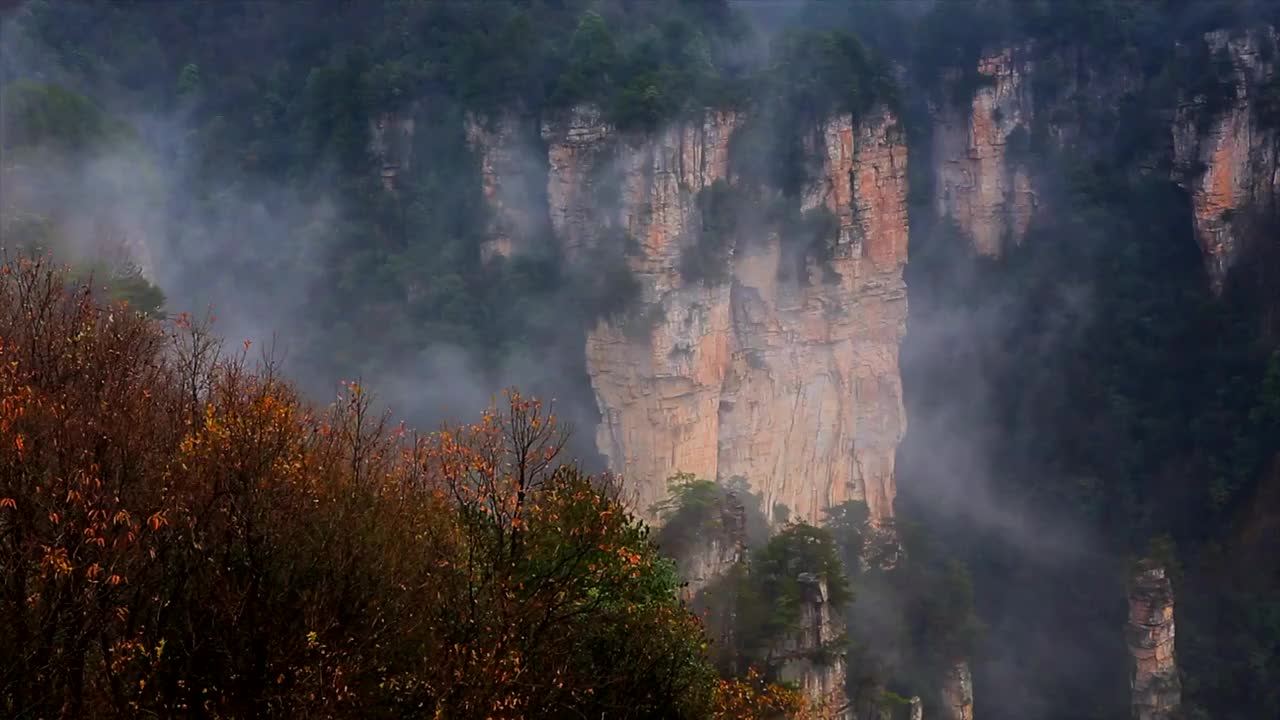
(1015, 457)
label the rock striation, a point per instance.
(1225, 150)
(1156, 688)
(792, 387)
(980, 181)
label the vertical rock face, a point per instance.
(915, 709)
(1156, 689)
(811, 409)
(511, 172)
(1224, 156)
(792, 387)
(657, 374)
(391, 142)
(806, 659)
(979, 181)
(957, 692)
(720, 547)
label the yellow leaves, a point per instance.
(55, 560)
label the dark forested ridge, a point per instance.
(1087, 398)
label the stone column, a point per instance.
(1156, 689)
(957, 692)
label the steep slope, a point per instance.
(979, 183)
(790, 386)
(1226, 155)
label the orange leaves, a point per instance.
(156, 521)
(446, 572)
(750, 698)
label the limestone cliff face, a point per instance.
(512, 168)
(1227, 159)
(657, 374)
(806, 658)
(957, 692)
(792, 387)
(721, 544)
(980, 182)
(811, 408)
(1156, 688)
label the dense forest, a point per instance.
(184, 531)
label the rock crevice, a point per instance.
(790, 386)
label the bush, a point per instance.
(181, 533)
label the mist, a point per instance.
(1071, 403)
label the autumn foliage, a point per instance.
(182, 535)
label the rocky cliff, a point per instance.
(809, 659)
(957, 692)
(981, 181)
(791, 386)
(1222, 142)
(511, 172)
(1156, 688)
(1225, 148)
(720, 543)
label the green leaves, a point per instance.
(50, 115)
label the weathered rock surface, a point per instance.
(656, 374)
(980, 183)
(1228, 161)
(513, 172)
(793, 387)
(957, 692)
(721, 544)
(808, 658)
(1156, 688)
(811, 411)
